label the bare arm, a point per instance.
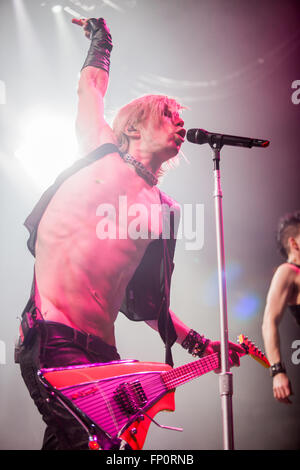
(91, 128)
(213, 346)
(180, 328)
(277, 299)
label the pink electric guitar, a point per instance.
(121, 398)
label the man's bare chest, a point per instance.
(104, 204)
(130, 216)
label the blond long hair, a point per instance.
(137, 112)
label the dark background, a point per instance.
(232, 63)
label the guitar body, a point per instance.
(62, 377)
(110, 395)
(121, 398)
(135, 435)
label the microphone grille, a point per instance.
(197, 136)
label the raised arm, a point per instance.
(277, 299)
(91, 128)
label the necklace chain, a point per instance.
(141, 170)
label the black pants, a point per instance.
(57, 345)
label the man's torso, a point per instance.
(81, 277)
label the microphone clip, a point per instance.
(216, 146)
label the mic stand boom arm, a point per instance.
(225, 377)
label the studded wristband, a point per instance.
(277, 368)
(195, 343)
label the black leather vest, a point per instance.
(147, 295)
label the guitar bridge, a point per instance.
(130, 397)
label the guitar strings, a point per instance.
(190, 371)
(97, 411)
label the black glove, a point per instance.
(101, 45)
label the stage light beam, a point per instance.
(47, 147)
(27, 35)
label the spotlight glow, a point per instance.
(48, 146)
(56, 8)
(247, 306)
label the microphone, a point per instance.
(201, 136)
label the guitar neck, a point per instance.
(182, 374)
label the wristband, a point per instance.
(101, 45)
(277, 368)
(195, 344)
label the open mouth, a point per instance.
(181, 133)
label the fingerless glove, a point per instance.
(101, 45)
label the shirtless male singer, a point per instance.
(89, 264)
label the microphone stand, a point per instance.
(225, 377)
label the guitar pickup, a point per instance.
(131, 397)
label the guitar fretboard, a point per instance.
(182, 374)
